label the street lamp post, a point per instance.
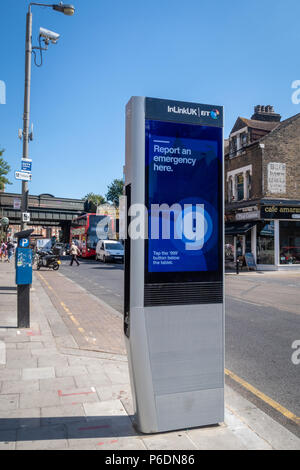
(69, 10)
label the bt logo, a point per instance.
(215, 113)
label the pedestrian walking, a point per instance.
(74, 252)
(10, 251)
(2, 251)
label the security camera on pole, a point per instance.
(25, 176)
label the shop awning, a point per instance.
(238, 228)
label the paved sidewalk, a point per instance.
(57, 391)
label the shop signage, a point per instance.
(247, 215)
(250, 261)
(280, 212)
(277, 177)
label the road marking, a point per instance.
(65, 308)
(61, 394)
(281, 409)
(74, 320)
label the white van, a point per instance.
(109, 250)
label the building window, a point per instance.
(244, 138)
(265, 242)
(249, 182)
(289, 239)
(232, 146)
(240, 187)
(230, 190)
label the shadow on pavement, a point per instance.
(73, 427)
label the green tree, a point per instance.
(92, 201)
(114, 191)
(4, 170)
(96, 199)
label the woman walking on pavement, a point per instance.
(2, 251)
(74, 252)
(10, 251)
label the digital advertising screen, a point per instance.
(184, 200)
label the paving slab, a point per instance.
(8, 402)
(67, 414)
(42, 438)
(15, 419)
(39, 399)
(63, 383)
(38, 373)
(169, 441)
(216, 438)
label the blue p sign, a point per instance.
(24, 242)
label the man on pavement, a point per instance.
(74, 252)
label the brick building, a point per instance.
(262, 190)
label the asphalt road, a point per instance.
(105, 281)
(262, 322)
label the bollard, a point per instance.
(237, 266)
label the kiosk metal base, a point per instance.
(177, 366)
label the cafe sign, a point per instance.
(280, 212)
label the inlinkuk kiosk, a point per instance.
(174, 301)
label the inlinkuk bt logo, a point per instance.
(214, 113)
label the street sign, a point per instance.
(24, 242)
(26, 164)
(23, 175)
(25, 217)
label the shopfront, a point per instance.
(273, 236)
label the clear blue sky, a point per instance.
(231, 53)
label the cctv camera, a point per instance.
(49, 35)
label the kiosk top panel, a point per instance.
(185, 112)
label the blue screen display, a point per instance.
(183, 193)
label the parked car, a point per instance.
(109, 250)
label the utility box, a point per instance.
(173, 292)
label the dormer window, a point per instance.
(244, 139)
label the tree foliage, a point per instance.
(4, 170)
(96, 199)
(114, 191)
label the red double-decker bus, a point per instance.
(86, 230)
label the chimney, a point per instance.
(265, 113)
